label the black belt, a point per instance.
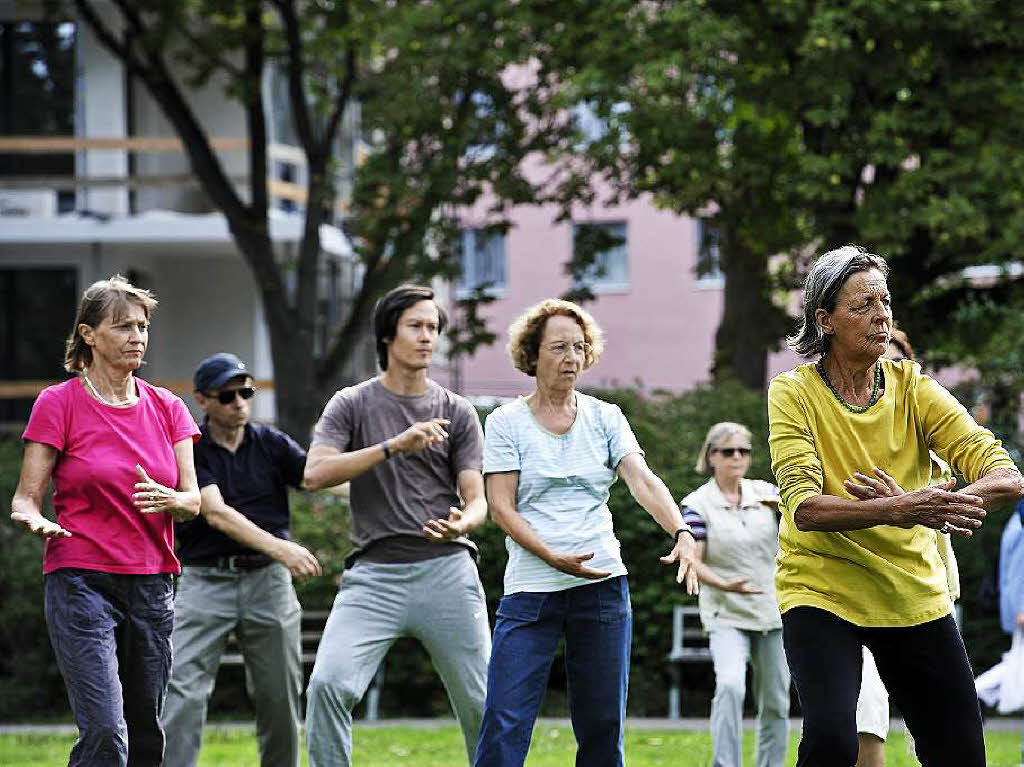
(234, 563)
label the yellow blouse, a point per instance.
(883, 575)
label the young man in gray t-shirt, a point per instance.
(411, 450)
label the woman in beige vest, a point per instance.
(736, 527)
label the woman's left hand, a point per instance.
(879, 486)
(685, 553)
(153, 498)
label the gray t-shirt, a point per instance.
(396, 497)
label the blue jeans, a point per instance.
(112, 637)
(597, 623)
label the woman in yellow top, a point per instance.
(866, 572)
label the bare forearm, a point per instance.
(474, 513)
(657, 501)
(338, 468)
(831, 514)
(520, 531)
(26, 504)
(997, 487)
(187, 504)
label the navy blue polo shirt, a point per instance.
(254, 480)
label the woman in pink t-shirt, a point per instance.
(119, 452)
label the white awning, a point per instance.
(155, 227)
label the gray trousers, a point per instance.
(262, 609)
(731, 650)
(440, 602)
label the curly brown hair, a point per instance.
(525, 332)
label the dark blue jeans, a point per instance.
(112, 637)
(597, 623)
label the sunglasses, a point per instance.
(729, 452)
(227, 396)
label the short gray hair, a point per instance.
(716, 435)
(821, 288)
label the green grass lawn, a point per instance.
(442, 747)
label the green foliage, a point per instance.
(28, 673)
(797, 123)
(671, 431)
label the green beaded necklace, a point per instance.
(876, 389)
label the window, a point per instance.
(483, 261)
(606, 243)
(593, 128)
(37, 95)
(37, 309)
(709, 253)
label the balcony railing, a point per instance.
(281, 158)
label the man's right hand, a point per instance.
(299, 561)
(572, 564)
(420, 435)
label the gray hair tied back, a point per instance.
(821, 288)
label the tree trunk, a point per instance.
(750, 323)
(299, 401)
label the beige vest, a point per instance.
(742, 543)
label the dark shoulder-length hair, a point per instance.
(102, 299)
(821, 288)
(389, 309)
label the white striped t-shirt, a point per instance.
(563, 486)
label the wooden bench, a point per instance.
(689, 646)
(313, 622)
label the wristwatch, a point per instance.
(684, 529)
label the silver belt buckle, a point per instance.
(232, 564)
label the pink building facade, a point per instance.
(659, 310)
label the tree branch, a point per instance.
(341, 103)
(108, 39)
(255, 115)
(251, 234)
(296, 75)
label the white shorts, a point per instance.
(873, 703)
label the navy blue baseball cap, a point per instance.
(215, 371)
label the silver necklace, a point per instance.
(131, 401)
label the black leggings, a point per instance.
(924, 668)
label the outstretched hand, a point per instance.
(741, 586)
(153, 498)
(685, 553)
(420, 435)
(867, 488)
(39, 525)
(935, 506)
(445, 530)
(572, 564)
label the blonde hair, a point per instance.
(716, 435)
(525, 332)
(102, 299)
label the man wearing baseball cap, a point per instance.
(238, 561)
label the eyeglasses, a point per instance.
(729, 452)
(561, 348)
(227, 396)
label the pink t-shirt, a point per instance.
(94, 477)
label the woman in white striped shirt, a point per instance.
(549, 460)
